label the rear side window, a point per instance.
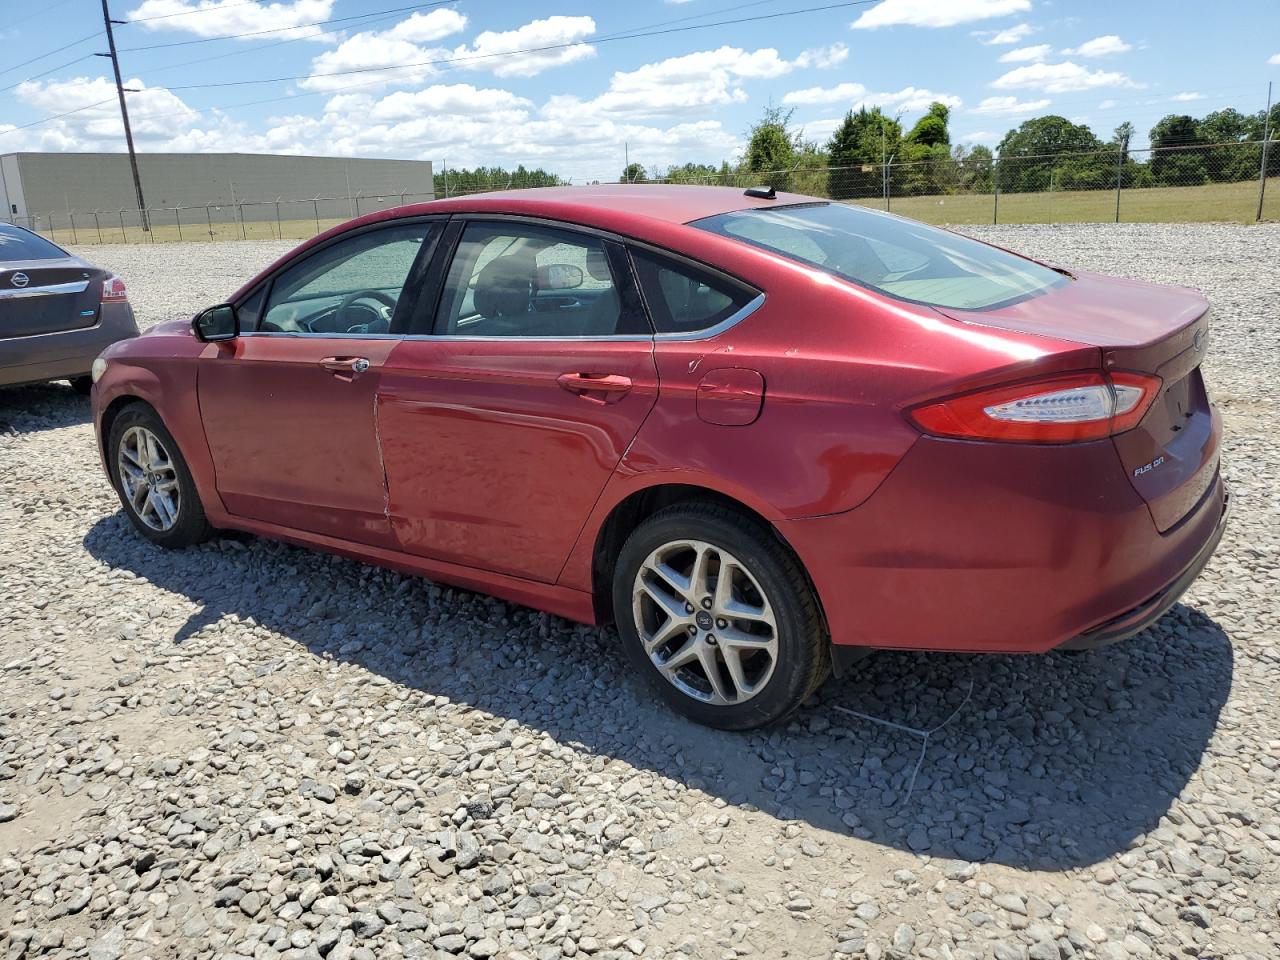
(684, 299)
(901, 258)
(19, 244)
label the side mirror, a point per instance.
(217, 323)
(559, 276)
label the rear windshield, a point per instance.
(901, 258)
(19, 244)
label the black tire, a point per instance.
(190, 526)
(802, 660)
(82, 385)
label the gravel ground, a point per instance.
(251, 750)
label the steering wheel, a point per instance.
(352, 299)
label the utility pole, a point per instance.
(1266, 145)
(124, 113)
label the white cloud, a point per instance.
(426, 27)
(222, 18)
(982, 136)
(1026, 54)
(1009, 106)
(840, 93)
(458, 99)
(854, 96)
(932, 13)
(490, 48)
(1100, 47)
(1106, 104)
(1186, 97)
(1274, 59)
(823, 58)
(695, 81)
(1010, 35)
(155, 113)
(374, 51)
(1060, 78)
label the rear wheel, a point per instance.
(153, 481)
(719, 617)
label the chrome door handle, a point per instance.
(349, 365)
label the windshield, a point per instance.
(19, 244)
(901, 258)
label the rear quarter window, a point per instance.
(686, 299)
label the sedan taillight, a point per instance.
(113, 288)
(1055, 409)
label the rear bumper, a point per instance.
(66, 353)
(1009, 548)
(1145, 614)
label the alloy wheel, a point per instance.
(149, 478)
(705, 622)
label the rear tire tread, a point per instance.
(743, 534)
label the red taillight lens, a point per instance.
(1058, 409)
(113, 288)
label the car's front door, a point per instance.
(500, 429)
(289, 406)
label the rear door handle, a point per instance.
(351, 366)
(614, 385)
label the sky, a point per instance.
(576, 87)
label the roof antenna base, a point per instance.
(760, 193)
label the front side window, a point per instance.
(524, 280)
(348, 288)
(901, 258)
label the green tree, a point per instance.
(857, 148)
(773, 147)
(1175, 157)
(1031, 156)
(455, 181)
(1226, 162)
(633, 173)
(931, 129)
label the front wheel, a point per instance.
(153, 481)
(715, 611)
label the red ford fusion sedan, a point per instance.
(763, 434)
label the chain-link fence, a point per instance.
(1192, 183)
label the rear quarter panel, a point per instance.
(840, 365)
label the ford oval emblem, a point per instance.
(19, 279)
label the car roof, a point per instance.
(670, 203)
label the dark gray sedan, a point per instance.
(57, 312)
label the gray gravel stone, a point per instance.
(275, 753)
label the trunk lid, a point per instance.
(1172, 455)
(48, 296)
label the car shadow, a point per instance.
(1047, 762)
(41, 406)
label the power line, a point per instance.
(189, 13)
(540, 49)
(37, 76)
(40, 11)
(255, 49)
(50, 53)
(296, 26)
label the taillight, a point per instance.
(113, 288)
(1056, 409)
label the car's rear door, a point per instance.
(289, 406)
(501, 425)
